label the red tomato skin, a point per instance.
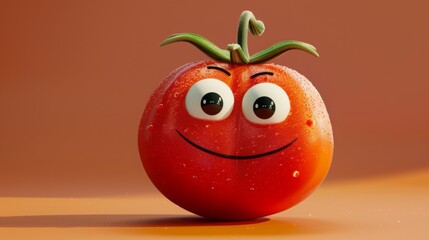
(228, 189)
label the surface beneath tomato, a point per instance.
(233, 168)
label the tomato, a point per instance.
(234, 140)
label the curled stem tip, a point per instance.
(247, 23)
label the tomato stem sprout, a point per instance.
(238, 53)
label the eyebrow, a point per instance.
(220, 69)
(261, 73)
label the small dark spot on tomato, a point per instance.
(309, 122)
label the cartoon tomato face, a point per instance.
(235, 141)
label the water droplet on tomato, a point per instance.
(252, 189)
(295, 174)
(150, 127)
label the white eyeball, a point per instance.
(209, 99)
(266, 103)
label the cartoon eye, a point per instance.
(209, 99)
(266, 103)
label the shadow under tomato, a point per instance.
(174, 225)
(262, 227)
(113, 220)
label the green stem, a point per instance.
(201, 43)
(248, 23)
(238, 53)
(281, 47)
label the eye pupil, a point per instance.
(264, 107)
(212, 103)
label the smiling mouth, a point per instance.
(235, 157)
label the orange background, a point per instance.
(75, 77)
